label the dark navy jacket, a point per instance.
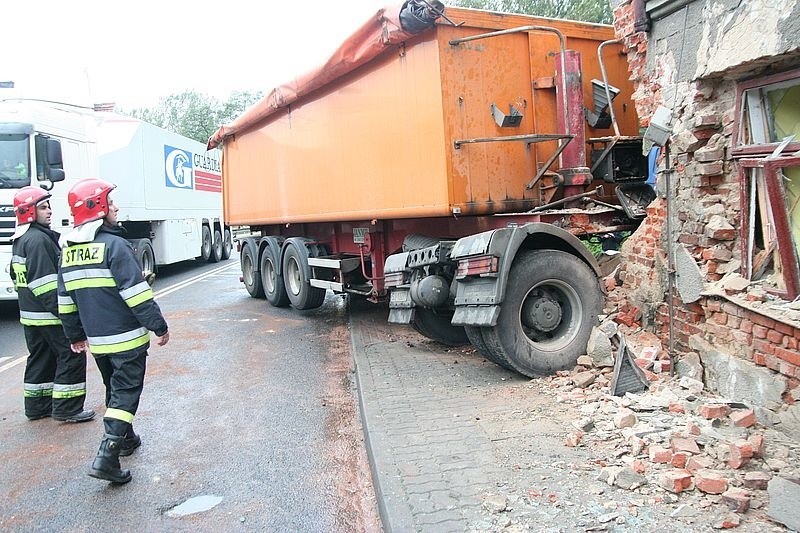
(103, 298)
(34, 265)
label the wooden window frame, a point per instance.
(776, 194)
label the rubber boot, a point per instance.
(106, 464)
(129, 443)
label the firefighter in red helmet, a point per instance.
(55, 377)
(106, 306)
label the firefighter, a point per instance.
(106, 306)
(55, 377)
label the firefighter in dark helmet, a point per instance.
(106, 306)
(55, 377)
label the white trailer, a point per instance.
(169, 187)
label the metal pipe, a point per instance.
(670, 262)
(605, 82)
(564, 200)
(562, 41)
(363, 268)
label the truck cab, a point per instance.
(34, 141)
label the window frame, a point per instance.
(776, 195)
(759, 149)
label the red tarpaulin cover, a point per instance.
(380, 33)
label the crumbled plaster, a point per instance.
(728, 34)
(735, 378)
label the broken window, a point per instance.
(767, 134)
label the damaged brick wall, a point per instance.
(690, 62)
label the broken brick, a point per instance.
(699, 462)
(659, 454)
(757, 444)
(692, 428)
(728, 522)
(744, 418)
(711, 411)
(675, 481)
(680, 444)
(677, 408)
(639, 466)
(757, 480)
(740, 453)
(710, 481)
(737, 500)
(679, 459)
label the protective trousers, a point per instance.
(123, 376)
(55, 376)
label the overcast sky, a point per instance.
(133, 53)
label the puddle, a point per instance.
(198, 504)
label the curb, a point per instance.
(395, 516)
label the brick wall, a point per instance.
(705, 220)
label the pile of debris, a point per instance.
(658, 432)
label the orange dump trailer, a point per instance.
(441, 156)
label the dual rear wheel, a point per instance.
(290, 285)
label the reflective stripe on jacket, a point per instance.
(34, 268)
(103, 298)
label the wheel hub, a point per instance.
(541, 312)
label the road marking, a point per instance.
(162, 292)
(190, 281)
(12, 364)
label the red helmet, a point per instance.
(88, 200)
(25, 202)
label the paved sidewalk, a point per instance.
(459, 444)
(447, 438)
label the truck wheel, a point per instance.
(552, 301)
(436, 326)
(216, 248)
(205, 244)
(475, 337)
(146, 258)
(227, 244)
(272, 281)
(251, 278)
(300, 292)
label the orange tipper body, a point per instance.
(373, 133)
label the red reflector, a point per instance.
(393, 279)
(472, 266)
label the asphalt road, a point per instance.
(248, 404)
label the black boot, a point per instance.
(129, 443)
(106, 464)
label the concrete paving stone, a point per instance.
(415, 490)
(423, 479)
(438, 517)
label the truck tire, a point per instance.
(435, 324)
(251, 278)
(552, 301)
(475, 337)
(216, 248)
(147, 259)
(205, 244)
(227, 244)
(272, 281)
(300, 292)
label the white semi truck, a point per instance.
(169, 187)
